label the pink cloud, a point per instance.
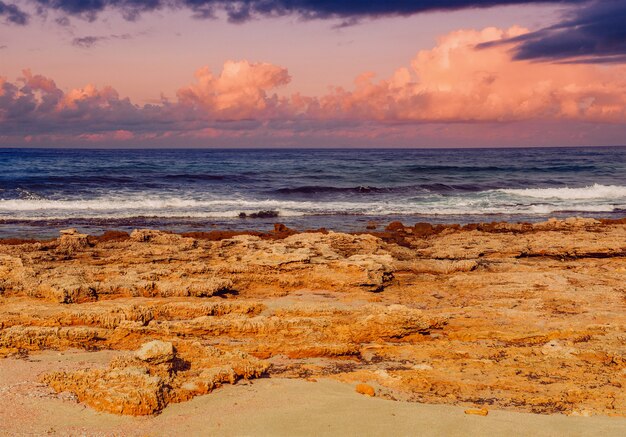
(38, 82)
(90, 96)
(450, 91)
(455, 82)
(119, 135)
(240, 91)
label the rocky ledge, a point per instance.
(510, 316)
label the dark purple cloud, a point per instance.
(90, 40)
(13, 14)
(243, 10)
(87, 41)
(592, 33)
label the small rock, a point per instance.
(366, 389)
(260, 214)
(156, 352)
(395, 226)
(477, 411)
(71, 241)
(70, 231)
(423, 229)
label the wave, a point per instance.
(46, 181)
(564, 168)
(136, 203)
(142, 205)
(594, 191)
(443, 188)
(28, 195)
(368, 189)
(315, 189)
(191, 177)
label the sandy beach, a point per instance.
(483, 329)
(266, 407)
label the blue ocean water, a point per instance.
(43, 190)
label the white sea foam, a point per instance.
(492, 202)
(594, 191)
(114, 204)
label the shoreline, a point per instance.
(501, 316)
(381, 229)
(41, 229)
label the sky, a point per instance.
(304, 73)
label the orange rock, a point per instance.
(366, 389)
(371, 226)
(156, 352)
(491, 308)
(395, 226)
(477, 411)
(145, 383)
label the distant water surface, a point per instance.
(43, 190)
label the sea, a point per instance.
(182, 190)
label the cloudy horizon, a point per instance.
(210, 73)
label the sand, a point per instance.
(265, 407)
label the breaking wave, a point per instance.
(594, 191)
(368, 189)
(532, 201)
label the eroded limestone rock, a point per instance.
(518, 316)
(154, 376)
(156, 352)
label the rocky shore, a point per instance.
(521, 317)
